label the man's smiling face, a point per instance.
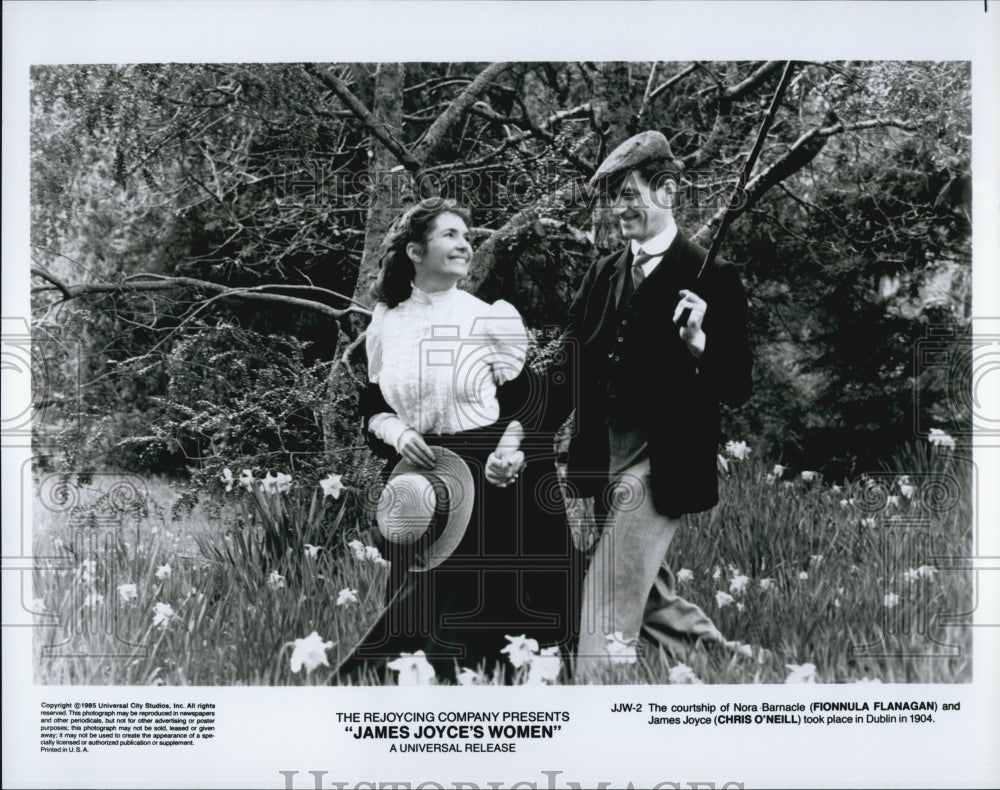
(644, 211)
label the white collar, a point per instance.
(432, 297)
(659, 243)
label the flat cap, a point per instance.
(635, 151)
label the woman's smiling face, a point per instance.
(445, 254)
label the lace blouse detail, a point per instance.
(439, 357)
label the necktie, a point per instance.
(638, 275)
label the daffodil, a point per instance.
(766, 584)
(939, 438)
(276, 580)
(681, 673)
(163, 572)
(269, 485)
(521, 650)
(162, 614)
(738, 583)
(685, 575)
(93, 599)
(621, 650)
(128, 592)
(927, 572)
(309, 652)
(469, 677)
(803, 575)
(778, 470)
(544, 668)
(246, 479)
(890, 600)
(738, 450)
(413, 669)
(808, 476)
(282, 483)
(312, 551)
(801, 673)
(357, 549)
(332, 486)
(723, 599)
(227, 478)
(346, 596)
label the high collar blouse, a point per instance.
(439, 357)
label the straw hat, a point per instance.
(433, 506)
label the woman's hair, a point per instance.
(413, 225)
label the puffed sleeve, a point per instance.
(373, 342)
(509, 341)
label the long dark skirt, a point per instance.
(515, 572)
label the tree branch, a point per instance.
(157, 282)
(363, 114)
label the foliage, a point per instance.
(262, 181)
(814, 574)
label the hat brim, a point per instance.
(456, 476)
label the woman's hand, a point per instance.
(502, 469)
(414, 449)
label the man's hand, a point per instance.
(502, 468)
(691, 332)
(414, 449)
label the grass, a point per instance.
(842, 588)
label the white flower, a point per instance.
(766, 584)
(276, 580)
(544, 668)
(907, 490)
(469, 677)
(723, 599)
(835, 488)
(269, 485)
(845, 502)
(716, 573)
(282, 483)
(869, 521)
(740, 606)
(890, 600)
(778, 471)
(93, 599)
(808, 476)
(357, 549)
(939, 438)
(162, 612)
(803, 575)
(801, 673)
(347, 596)
(738, 584)
(788, 484)
(372, 554)
(246, 479)
(521, 650)
(163, 572)
(312, 551)
(911, 575)
(738, 450)
(413, 669)
(309, 652)
(927, 572)
(892, 500)
(227, 478)
(332, 486)
(682, 673)
(128, 592)
(685, 575)
(816, 560)
(621, 650)
(722, 463)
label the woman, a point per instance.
(448, 370)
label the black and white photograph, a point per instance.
(473, 414)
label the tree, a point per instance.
(172, 201)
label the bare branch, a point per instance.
(665, 86)
(435, 135)
(157, 282)
(364, 115)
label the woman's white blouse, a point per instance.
(438, 359)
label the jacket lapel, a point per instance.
(621, 272)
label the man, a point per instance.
(647, 414)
